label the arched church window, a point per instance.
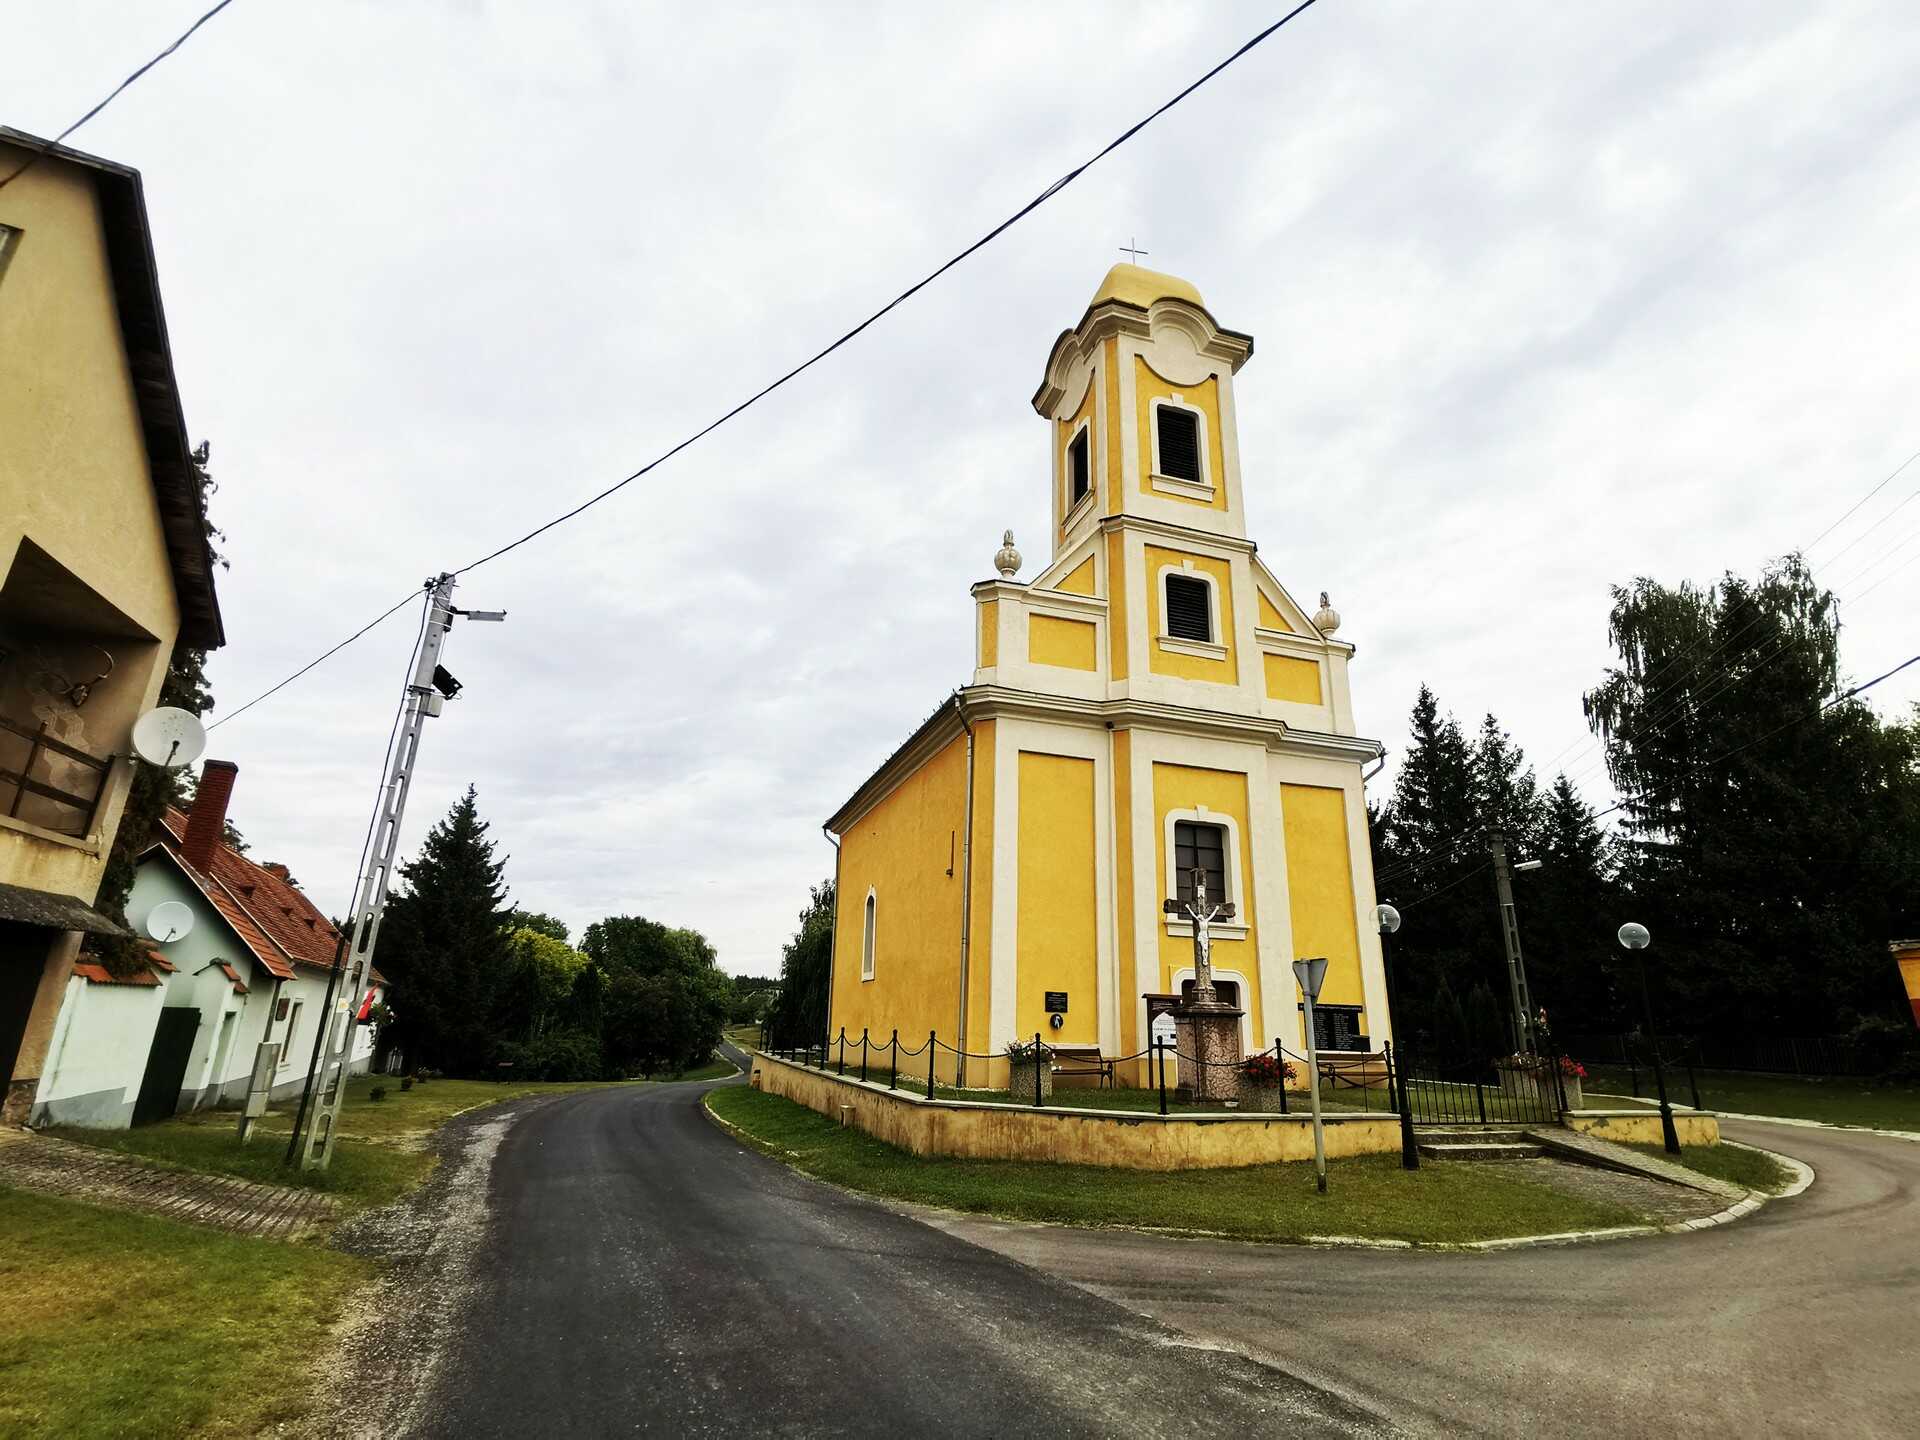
(1200, 846)
(1179, 435)
(1079, 468)
(1189, 608)
(867, 936)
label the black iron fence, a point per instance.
(1363, 1081)
(1514, 1090)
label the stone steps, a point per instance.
(1472, 1143)
(1479, 1150)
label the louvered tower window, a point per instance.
(1179, 432)
(1189, 609)
(1079, 470)
(1198, 846)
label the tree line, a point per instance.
(1768, 833)
(479, 987)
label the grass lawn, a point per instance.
(119, 1325)
(1370, 1196)
(380, 1155)
(1729, 1162)
(1836, 1099)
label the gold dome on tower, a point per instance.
(1135, 285)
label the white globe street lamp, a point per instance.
(1634, 938)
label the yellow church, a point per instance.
(1152, 702)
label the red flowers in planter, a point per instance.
(1266, 1070)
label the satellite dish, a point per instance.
(169, 920)
(169, 737)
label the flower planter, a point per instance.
(1262, 1097)
(1523, 1082)
(1021, 1079)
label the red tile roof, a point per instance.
(270, 913)
(97, 974)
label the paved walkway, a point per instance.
(1660, 1202)
(85, 1172)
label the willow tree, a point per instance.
(1766, 820)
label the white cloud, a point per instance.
(1545, 297)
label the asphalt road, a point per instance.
(643, 1273)
(1803, 1319)
(640, 1272)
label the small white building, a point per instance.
(252, 968)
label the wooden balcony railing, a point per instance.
(78, 808)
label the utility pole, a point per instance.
(1510, 930)
(428, 690)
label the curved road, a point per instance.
(643, 1273)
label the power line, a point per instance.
(328, 655)
(1814, 714)
(114, 94)
(1584, 741)
(1025, 210)
(1047, 194)
(1457, 880)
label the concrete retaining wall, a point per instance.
(1642, 1127)
(1122, 1139)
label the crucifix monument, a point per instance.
(1209, 1030)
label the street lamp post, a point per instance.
(1635, 938)
(1388, 920)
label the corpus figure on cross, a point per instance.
(1202, 913)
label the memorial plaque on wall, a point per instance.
(1056, 1002)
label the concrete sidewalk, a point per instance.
(83, 1172)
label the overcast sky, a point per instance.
(1545, 297)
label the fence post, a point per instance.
(1036, 1069)
(1480, 1094)
(893, 1069)
(1693, 1081)
(843, 1051)
(1160, 1054)
(1280, 1059)
(1397, 1076)
(863, 1055)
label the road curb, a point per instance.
(1754, 1199)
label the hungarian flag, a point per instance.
(364, 1015)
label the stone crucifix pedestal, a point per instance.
(1209, 1029)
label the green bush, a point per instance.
(558, 1055)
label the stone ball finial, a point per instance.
(1007, 559)
(1326, 619)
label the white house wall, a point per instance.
(98, 1055)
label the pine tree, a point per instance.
(799, 1014)
(443, 947)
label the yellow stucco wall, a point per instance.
(1223, 793)
(1291, 678)
(1320, 887)
(1124, 943)
(1190, 667)
(1127, 1140)
(989, 634)
(1110, 385)
(980, 927)
(902, 849)
(74, 482)
(1204, 397)
(1642, 1127)
(1270, 617)
(1069, 644)
(1057, 926)
(1079, 581)
(1117, 582)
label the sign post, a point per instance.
(1312, 974)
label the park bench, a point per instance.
(1353, 1069)
(1083, 1060)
